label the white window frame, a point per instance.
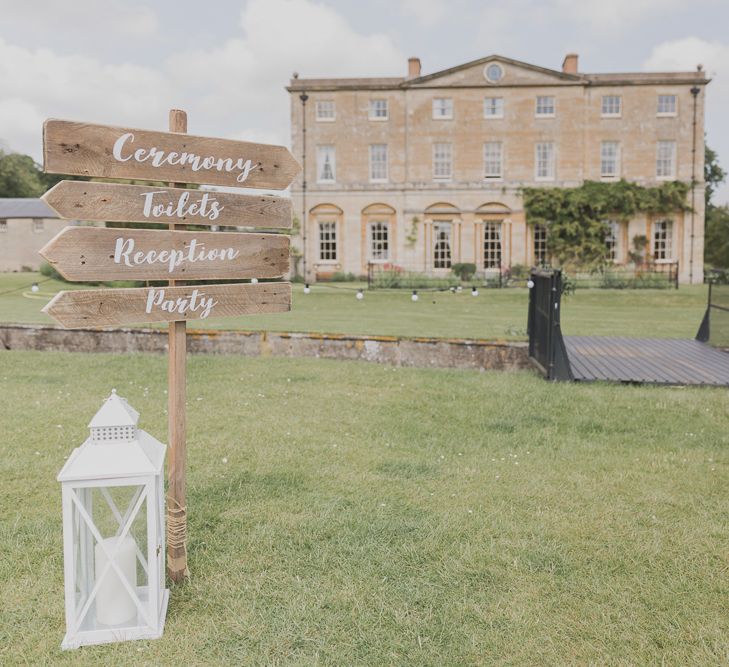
(379, 162)
(445, 105)
(610, 112)
(3, 226)
(541, 239)
(613, 241)
(378, 226)
(551, 162)
(492, 160)
(666, 225)
(440, 258)
(605, 156)
(376, 108)
(442, 160)
(332, 241)
(323, 117)
(492, 244)
(498, 106)
(667, 114)
(661, 160)
(321, 152)
(540, 105)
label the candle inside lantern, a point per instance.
(114, 605)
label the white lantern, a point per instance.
(113, 531)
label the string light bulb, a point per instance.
(414, 296)
(307, 289)
(474, 291)
(530, 284)
(360, 295)
(254, 281)
(34, 287)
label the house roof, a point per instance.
(581, 78)
(11, 207)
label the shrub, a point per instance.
(50, 272)
(465, 271)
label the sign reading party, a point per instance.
(75, 309)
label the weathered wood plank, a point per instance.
(112, 307)
(85, 149)
(115, 202)
(97, 253)
(177, 421)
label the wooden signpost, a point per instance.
(83, 149)
(74, 309)
(99, 253)
(91, 253)
(114, 202)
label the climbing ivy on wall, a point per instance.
(576, 217)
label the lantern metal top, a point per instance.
(115, 412)
(116, 447)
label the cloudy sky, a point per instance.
(227, 61)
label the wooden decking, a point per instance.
(646, 360)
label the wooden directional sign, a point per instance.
(101, 308)
(114, 202)
(97, 253)
(83, 149)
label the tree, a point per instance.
(20, 176)
(716, 242)
(714, 175)
(716, 245)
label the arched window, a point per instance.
(327, 219)
(378, 222)
(443, 218)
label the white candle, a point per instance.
(114, 605)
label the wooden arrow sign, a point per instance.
(103, 308)
(97, 253)
(114, 202)
(83, 149)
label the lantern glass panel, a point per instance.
(118, 515)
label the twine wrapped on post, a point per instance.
(176, 537)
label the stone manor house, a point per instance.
(424, 171)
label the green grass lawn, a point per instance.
(346, 513)
(494, 314)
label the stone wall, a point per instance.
(410, 352)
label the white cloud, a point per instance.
(87, 17)
(602, 14)
(237, 85)
(426, 12)
(241, 82)
(38, 83)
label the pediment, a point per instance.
(514, 73)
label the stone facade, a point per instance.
(26, 225)
(424, 171)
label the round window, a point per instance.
(494, 72)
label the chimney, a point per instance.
(569, 64)
(413, 68)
